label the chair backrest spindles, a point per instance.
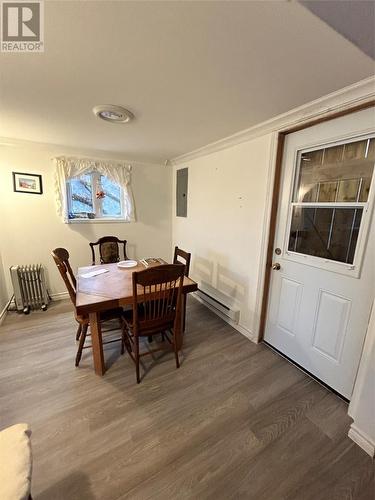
(159, 291)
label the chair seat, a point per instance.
(16, 462)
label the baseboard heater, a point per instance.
(233, 314)
(29, 285)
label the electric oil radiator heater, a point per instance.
(29, 285)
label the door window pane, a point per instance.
(336, 174)
(327, 191)
(349, 190)
(330, 233)
(364, 190)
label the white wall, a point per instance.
(3, 291)
(227, 193)
(230, 184)
(30, 227)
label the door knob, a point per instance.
(276, 266)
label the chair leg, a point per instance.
(175, 348)
(176, 357)
(81, 343)
(136, 345)
(79, 330)
(184, 312)
(128, 346)
(122, 337)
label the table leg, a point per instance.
(183, 312)
(180, 323)
(97, 343)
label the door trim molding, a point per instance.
(270, 236)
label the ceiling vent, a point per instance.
(112, 113)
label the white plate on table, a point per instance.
(127, 263)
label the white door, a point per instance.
(321, 296)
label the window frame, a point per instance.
(353, 269)
(96, 203)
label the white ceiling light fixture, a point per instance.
(113, 113)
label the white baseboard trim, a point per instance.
(4, 312)
(59, 296)
(362, 440)
(245, 332)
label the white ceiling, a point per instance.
(191, 72)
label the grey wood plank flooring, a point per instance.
(236, 421)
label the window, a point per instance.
(330, 195)
(94, 196)
(88, 188)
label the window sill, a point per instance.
(95, 221)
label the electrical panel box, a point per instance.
(181, 192)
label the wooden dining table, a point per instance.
(107, 291)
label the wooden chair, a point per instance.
(109, 249)
(61, 258)
(157, 296)
(184, 257)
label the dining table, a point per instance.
(111, 289)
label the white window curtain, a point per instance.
(68, 168)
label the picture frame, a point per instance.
(27, 183)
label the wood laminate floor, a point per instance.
(236, 421)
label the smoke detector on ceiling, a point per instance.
(112, 113)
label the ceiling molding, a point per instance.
(59, 149)
(358, 93)
(217, 68)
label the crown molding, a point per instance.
(347, 97)
(61, 150)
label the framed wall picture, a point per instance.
(27, 183)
